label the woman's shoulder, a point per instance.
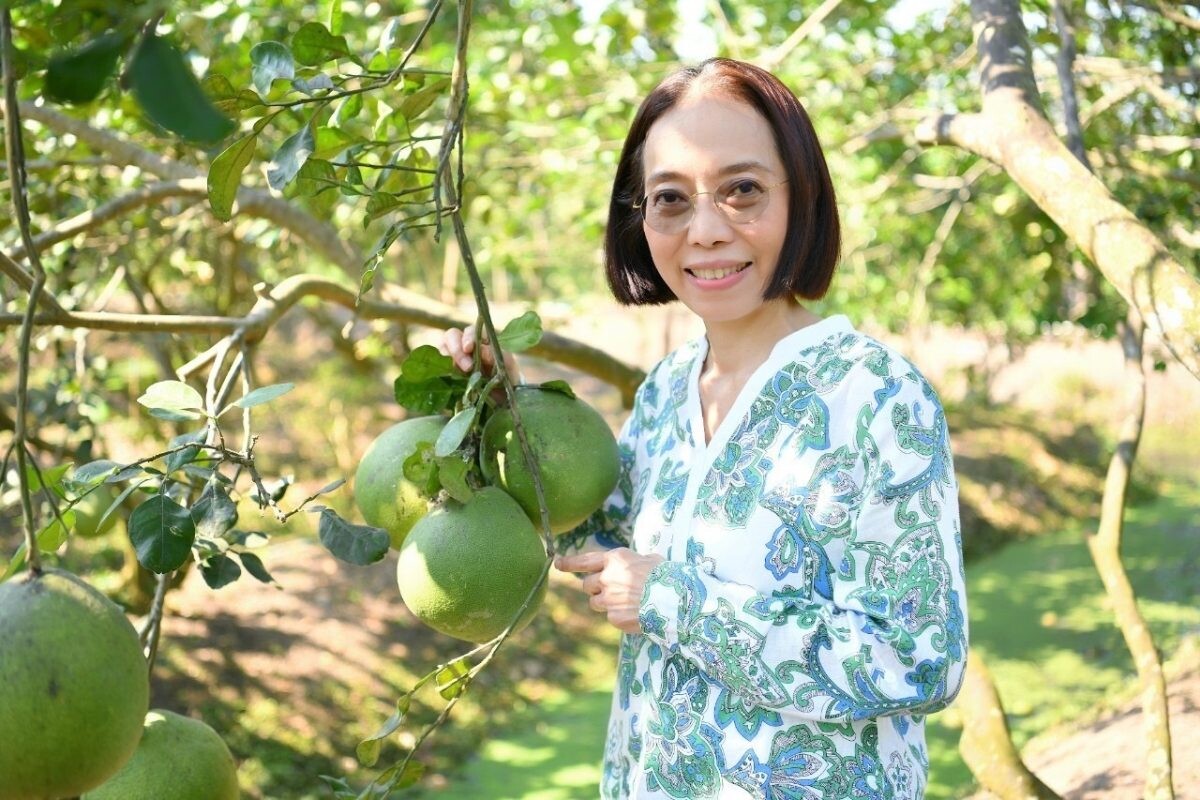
(857, 361)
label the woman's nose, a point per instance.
(708, 225)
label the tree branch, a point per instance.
(274, 303)
(776, 56)
(1013, 131)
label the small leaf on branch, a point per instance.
(354, 544)
(335, 16)
(452, 475)
(313, 45)
(226, 98)
(248, 538)
(189, 452)
(116, 504)
(220, 570)
(51, 478)
(450, 679)
(54, 533)
(332, 142)
(91, 474)
(422, 470)
(521, 333)
(173, 400)
(255, 567)
(275, 491)
(562, 387)
(264, 394)
(426, 397)
(225, 175)
(368, 749)
(316, 182)
(168, 91)
(310, 86)
(78, 76)
(426, 362)
(214, 513)
(417, 103)
(347, 110)
(162, 533)
(270, 60)
(290, 156)
(455, 431)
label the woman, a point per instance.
(782, 552)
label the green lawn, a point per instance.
(1037, 611)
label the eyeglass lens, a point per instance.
(741, 200)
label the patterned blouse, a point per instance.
(812, 608)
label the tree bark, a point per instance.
(1013, 131)
(986, 745)
(1105, 547)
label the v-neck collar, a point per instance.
(783, 351)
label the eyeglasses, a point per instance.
(740, 200)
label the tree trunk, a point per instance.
(1105, 547)
(986, 744)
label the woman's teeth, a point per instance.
(716, 274)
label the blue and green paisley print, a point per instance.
(811, 610)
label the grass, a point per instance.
(1038, 613)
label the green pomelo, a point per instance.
(576, 453)
(384, 496)
(73, 687)
(466, 568)
(178, 758)
(90, 510)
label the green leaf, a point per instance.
(455, 431)
(264, 394)
(332, 141)
(449, 679)
(270, 60)
(225, 175)
(78, 76)
(422, 470)
(51, 478)
(335, 16)
(176, 399)
(310, 86)
(313, 45)
(521, 333)
(53, 533)
(220, 570)
(379, 204)
(226, 98)
(427, 362)
(162, 532)
(562, 387)
(254, 566)
(214, 513)
(426, 397)
(417, 103)
(116, 504)
(354, 544)
(347, 110)
(171, 96)
(91, 474)
(368, 749)
(188, 454)
(317, 183)
(452, 474)
(290, 157)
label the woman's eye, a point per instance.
(669, 199)
(744, 190)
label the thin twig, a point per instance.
(153, 627)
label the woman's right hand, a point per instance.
(459, 344)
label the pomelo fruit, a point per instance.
(384, 496)
(576, 452)
(466, 568)
(73, 687)
(179, 758)
(90, 510)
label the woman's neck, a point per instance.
(737, 347)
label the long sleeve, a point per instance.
(879, 629)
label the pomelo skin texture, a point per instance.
(179, 758)
(466, 569)
(73, 687)
(384, 496)
(576, 452)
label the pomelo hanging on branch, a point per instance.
(466, 568)
(73, 687)
(385, 497)
(576, 453)
(178, 758)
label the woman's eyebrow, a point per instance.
(740, 166)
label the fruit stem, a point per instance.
(153, 630)
(16, 177)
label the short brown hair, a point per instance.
(812, 243)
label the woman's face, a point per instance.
(716, 267)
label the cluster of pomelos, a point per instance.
(74, 693)
(466, 568)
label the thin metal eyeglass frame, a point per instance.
(641, 208)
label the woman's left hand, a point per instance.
(615, 581)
